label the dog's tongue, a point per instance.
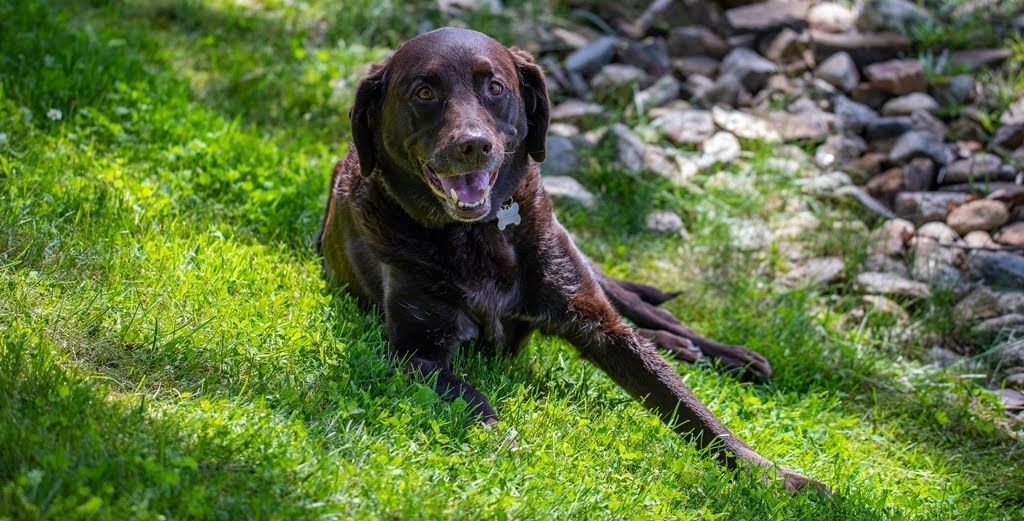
(469, 187)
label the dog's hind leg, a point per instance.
(637, 302)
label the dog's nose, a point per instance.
(473, 148)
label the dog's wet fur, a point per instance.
(447, 131)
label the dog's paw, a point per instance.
(794, 482)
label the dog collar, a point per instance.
(508, 214)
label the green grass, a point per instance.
(168, 348)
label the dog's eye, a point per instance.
(495, 88)
(425, 93)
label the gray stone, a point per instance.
(922, 207)
(575, 110)
(767, 16)
(1013, 401)
(725, 91)
(999, 269)
(884, 15)
(919, 143)
(982, 214)
(788, 47)
(839, 149)
(892, 237)
(938, 231)
(813, 272)
(979, 304)
(943, 357)
(589, 59)
(615, 76)
(1014, 114)
(974, 59)
(696, 41)
(685, 126)
(744, 125)
(1002, 327)
(979, 239)
(664, 90)
(896, 76)
(1009, 136)
(750, 235)
(562, 156)
(839, 71)
(650, 54)
(664, 221)
(628, 147)
(887, 128)
(722, 147)
(979, 168)
(852, 116)
(814, 124)
(959, 89)
(890, 284)
(569, 188)
(879, 262)
(702, 65)
(926, 121)
(864, 48)
(831, 17)
(935, 263)
(907, 104)
(751, 69)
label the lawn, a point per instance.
(169, 349)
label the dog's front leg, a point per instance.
(590, 323)
(423, 334)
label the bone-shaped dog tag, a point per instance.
(508, 215)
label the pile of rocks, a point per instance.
(842, 80)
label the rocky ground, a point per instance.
(929, 145)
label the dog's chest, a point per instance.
(489, 279)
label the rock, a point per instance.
(974, 59)
(852, 116)
(767, 16)
(825, 184)
(979, 239)
(1011, 234)
(886, 185)
(884, 15)
(575, 110)
(922, 207)
(896, 76)
(907, 104)
(869, 95)
(998, 269)
(1013, 401)
(938, 231)
(787, 47)
(589, 59)
(892, 237)
(562, 156)
(830, 17)
(925, 121)
(1014, 114)
(567, 187)
(958, 89)
(935, 263)
(883, 263)
(725, 90)
(650, 54)
(657, 160)
(918, 174)
(664, 90)
(685, 126)
(813, 272)
(1009, 136)
(664, 221)
(918, 143)
(864, 48)
(979, 304)
(1001, 327)
(838, 149)
(750, 235)
(943, 357)
(722, 147)
(890, 284)
(701, 65)
(744, 125)
(978, 168)
(839, 71)
(751, 69)
(888, 127)
(696, 41)
(866, 200)
(628, 147)
(614, 78)
(814, 124)
(864, 167)
(982, 214)
(1009, 354)
(1015, 380)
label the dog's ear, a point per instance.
(364, 115)
(535, 98)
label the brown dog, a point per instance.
(438, 218)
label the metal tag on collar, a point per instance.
(508, 214)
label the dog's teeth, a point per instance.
(455, 196)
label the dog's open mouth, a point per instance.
(466, 196)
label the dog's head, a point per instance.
(449, 119)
